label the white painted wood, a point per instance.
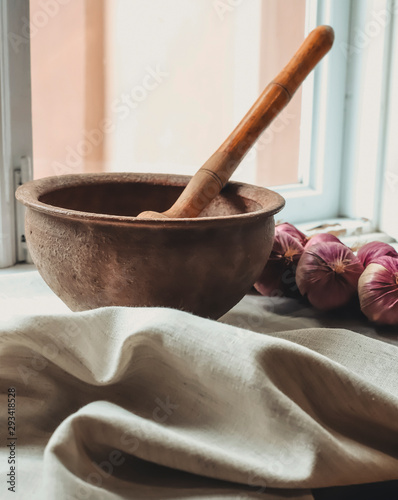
(317, 196)
(15, 115)
(307, 103)
(368, 53)
(389, 184)
(21, 175)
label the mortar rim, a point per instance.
(29, 193)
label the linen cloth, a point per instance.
(269, 402)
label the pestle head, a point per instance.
(151, 215)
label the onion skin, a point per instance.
(322, 237)
(278, 276)
(371, 252)
(378, 291)
(286, 227)
(328, 274)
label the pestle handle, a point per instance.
(317, 44)
(208, 181)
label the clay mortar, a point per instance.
(91, 250)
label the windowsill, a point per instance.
(23, 291)
(21, 267)
(352, 232)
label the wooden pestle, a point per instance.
(208, 181)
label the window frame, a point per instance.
(386, 205)
(15, 121)
(316, 197)
(369, 142)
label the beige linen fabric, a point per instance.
(156, 403)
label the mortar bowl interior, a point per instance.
(89, 247)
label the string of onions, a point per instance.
(330, 275)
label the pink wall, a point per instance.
(65, 103)
(283, 31)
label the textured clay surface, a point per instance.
(92, 251)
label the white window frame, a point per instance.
(350, 141)
(369, 122)
(316, 197)
(15, 122)
(388, 178)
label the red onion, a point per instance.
(371, 252)
(378, 291)
(323, 237)
(288, 228)
(328, 274)
(278, 276)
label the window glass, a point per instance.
(132, 85)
